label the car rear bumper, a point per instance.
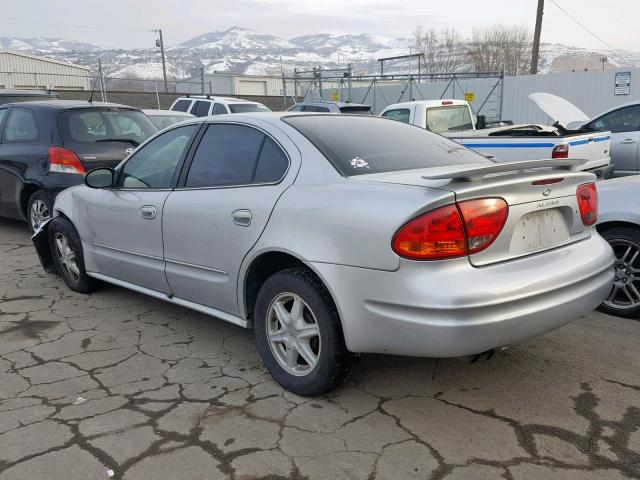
(449, 308)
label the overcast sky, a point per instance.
(125, 23)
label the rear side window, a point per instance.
(358, 145)
(219, 109)
(235, 155)
(201, 108)
(401, 115)
(86, 125)
(181, 106)
(21, 126)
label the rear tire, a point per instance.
(624, 299)
(299, 335)
(39, 208)
(66, 250)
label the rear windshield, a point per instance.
(358, 145)
(362, 109)
(247, 108)
(89, 125)
(447, 119)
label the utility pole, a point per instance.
(160, 43)
(202, 79)
(535, 50)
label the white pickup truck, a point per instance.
(455, 120)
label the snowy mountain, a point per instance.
(245, 51)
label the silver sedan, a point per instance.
(333, 235)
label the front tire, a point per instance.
(66, 249)
(624, 298)
(299, 335)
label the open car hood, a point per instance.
(559, 109)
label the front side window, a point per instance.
(357, 145)
(21, 126)
(181, 105)
(87, 125)
(235, 155)
(622, 120)
(155, 164)
(401, 115)
(201, 108)
(447, 119)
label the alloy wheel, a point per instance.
(66, 256)
(293, 334)
(39, 214)
(625, 293)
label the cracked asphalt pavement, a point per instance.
(119, 385)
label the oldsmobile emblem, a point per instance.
(547, 192)
(129, 151)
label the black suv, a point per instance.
(47, 146)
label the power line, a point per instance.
(582, 25)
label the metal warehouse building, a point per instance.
(20, 70)
(232, 84)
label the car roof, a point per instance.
(217, 99)
(68, 104)
(152, 112)
(16, 92)
(337, 104)
(428, 103)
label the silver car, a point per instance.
(334, 235)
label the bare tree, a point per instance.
(442, 49)
(500, 47)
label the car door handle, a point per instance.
(241, 217)
(629, 141)
(148, 212)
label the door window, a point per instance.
(21, 126)
(181, 106)
(401, 115)
(3, 113)
(219, 109)
(155, 164)
(622, 120)
(235, 155)
(201, 108)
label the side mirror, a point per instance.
(481, 122)
(100, 177)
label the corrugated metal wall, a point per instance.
(21, 71)
(230, 84)
(592, 92)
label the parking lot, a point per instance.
(120, 385)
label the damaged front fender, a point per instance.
(40, 241)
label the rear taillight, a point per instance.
(483, 219)
(587, 195)
(560, 151)
(62, 160)
(452, 231)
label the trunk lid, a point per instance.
(541, 216)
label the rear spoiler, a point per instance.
(475, 173)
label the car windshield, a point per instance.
(447, 119)
(247, 108)
(358, 145)
(164, 121)
(89, 125)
